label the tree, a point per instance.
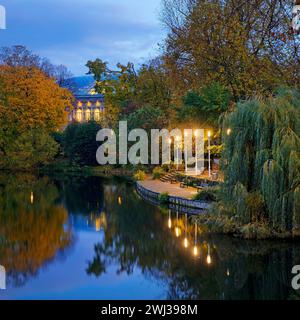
(20, 56)
(147, 118)
(30, 100)
(32, 106)
(207, 106)
(80, 143)
(261, 161)
(247, 46)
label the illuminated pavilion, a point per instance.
(88, 105)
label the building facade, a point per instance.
(88, 105)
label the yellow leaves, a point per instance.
(33, 100)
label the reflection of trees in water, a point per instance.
(137, 235)
(33, 229)
(81, 195)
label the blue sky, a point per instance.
(70, 32)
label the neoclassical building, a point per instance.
(88, 104)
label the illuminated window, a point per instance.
(97, 114)
(79, 115)
(88, 115)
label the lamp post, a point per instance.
(209, 155)
(178, 145)
(196, 151)
(186, 153)
(170, 155)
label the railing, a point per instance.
(175, 203)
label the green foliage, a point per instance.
(157, 173)
(163, 198)
(79, 143)
(139, 175)
(206, 195)
(147, 118)
(261, 160)
(206, 106)
(28, 150)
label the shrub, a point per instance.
(163, 198)
(207, 195)
(157, 173)
(139, 175)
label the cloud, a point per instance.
(74, 31)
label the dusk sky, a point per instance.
(70, 32)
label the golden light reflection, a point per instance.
(209, 134)
(170, 223)
(120, 201)
(31, 198)
(195, 251)
(228, 131)
(186, 242)
(208, 259)
(177, 232)
(98, 224)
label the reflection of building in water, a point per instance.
(92, 222)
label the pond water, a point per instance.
(93, 238)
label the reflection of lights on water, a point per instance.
(195, 251)
(98, 224)
(208, 259)
(177, 232)
(31, 198)
(185, 242)
(228, 273)
(119, 200)
(170, 220)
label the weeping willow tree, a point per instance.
(261, 161)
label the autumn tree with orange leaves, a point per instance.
(32, 106)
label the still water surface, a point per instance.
(92, 238)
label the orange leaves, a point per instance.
(32, 100)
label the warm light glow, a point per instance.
(209, 134)
(31, 198)
(185, 242)
(170, 141)
(98, 224)
(119, 200)
(228, 132)
(178, 138)
(186, 134)
(177, 232)
(208, 259)
(88, 104)
(98, 104)
(79, 104)
(196, 133)
(195, 251)
(170, 223)
(228, 273)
